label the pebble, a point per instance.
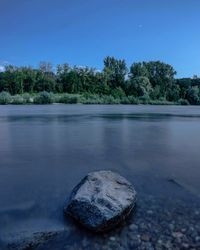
(177, 234)
(185, 245)
(197, 238)
(112, 238)
(149, 212)
(133, 227)
(145, 237)
(171, 226)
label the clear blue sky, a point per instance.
(83, 32)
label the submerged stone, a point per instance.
(101, 200)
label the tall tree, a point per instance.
(160, 74)
(140, 86)
(45, 78)
(193, 95)
(137, 70)
(115, 72)
(62, 72)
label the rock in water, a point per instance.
(101, 200)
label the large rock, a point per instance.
(101, 200)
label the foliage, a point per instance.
(118, 93)
(43, 98)
(140, 86)
(173, 93)
(5, 97)
(66, 98)
(27, 98)
(133, 100)
(115, 72)
(138, 70)
(193, 95)
(17, 99)
(145, 82)
(160, 74)
(183, 102)
(110, 100)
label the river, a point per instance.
(46, 150)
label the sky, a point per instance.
(83, 32)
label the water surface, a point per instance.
(46, 150)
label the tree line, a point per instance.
(152, 80)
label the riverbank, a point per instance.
(49, 98)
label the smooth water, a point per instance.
(46, 150)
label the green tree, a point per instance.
(74, 82)
(115, 72)
(184, 84)
(29, 79)
(173, 93)
(13, 80)
(137, 70)
(160, 74)
(99, 85)
(140, 86)
(118, 92)
(62, 83)
(45, 78)
(192, 95)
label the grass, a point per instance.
(49, 98)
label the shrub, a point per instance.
(125, 100)
(162, 99)
(161, 102)
(66, 98)
(144, 99)
(92, 99)
(74, 99)
(133, 100)
(118, 93)
(43, 98)
(193, 95)
(183, 102)
(110, 100)
(27, 98)
(173, 93)
(17, 99)
(5, 97)
(57, 98)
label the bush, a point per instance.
(43, 98)
(66, 98)
(17, 99)
(56, 98)
(158, 102)
(173, 93)
(192, 95)
(144, 99)
(118, 93)
(125, 100)
(161, 101)
(110, 100)
(133, 100)
(27, 98)
(5, 97)
(91, 99)
(183, 102)
(98, 100)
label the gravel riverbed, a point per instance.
(155, 224)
